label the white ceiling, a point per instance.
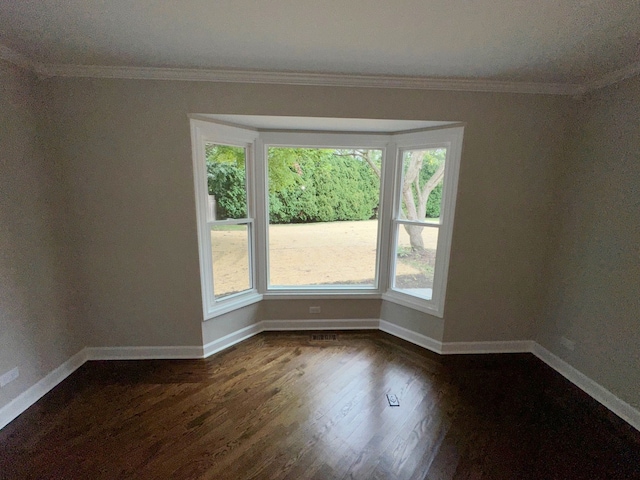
(562, 41)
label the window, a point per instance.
(417, 221)
(229, 220)
(292, 213)
(425, 184)
(323, 217)
(223, 166)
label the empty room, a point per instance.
(311, 240)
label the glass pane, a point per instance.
(421, 190)
(226, 178)
(323, 207)
(230, 253)
(416, 260)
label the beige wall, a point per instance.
(230, 322)
(38, 329)
(594, 287)
(126, 147)
(413, 320)
(288, 310)
(99, 244)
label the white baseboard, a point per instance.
(599, 393)
(287, 325)
(143, 353)
(34, 393)
(411, 336)
(456, 348)
(18, 405)
(514, 346)
(231, 339)
(618, 406)
(328, 324)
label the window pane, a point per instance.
(230, 253)
(416, 260)
(332, 253)
(421, 189)
(226, 178)
(323, 206)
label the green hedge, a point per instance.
(311, 185)
(327, 190)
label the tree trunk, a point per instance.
(415, 237)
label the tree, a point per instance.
(328, 187)
(305, 184)
(423, 171)
(226, 180)
(325, 185)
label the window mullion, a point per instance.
(261, 213)
(386, 239)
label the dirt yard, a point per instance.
(309, 254)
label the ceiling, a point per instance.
(546, 41)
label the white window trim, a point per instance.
(451, 138)
(391, 144)
(317, 140)
(203, 132)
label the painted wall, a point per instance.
(126, 149)
(594, 287)
(38, 328)
(418, 322)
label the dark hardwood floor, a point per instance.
(281, 405)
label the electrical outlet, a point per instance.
(568, 344)
(9, 377)
(314, 309)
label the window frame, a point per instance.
(257, 144)
(451, 139)
(204, 132)
(317, 140)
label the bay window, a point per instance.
(286, 213)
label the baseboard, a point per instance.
(514, 346)
(143, 353)
(618, 406)
(231, 339)
(21, 403)
(411, 336)
(327, 324)
(34, 393)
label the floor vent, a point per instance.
(325, 337)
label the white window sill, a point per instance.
(234, 303)
(313, 294)
(416, 303)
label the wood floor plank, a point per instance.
(285, 406)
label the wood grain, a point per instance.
(282, 406)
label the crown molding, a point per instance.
(614, 77)
(22, 61)
(314, 79)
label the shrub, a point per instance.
(226, 181)
(320, 186)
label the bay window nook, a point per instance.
(294, 206)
